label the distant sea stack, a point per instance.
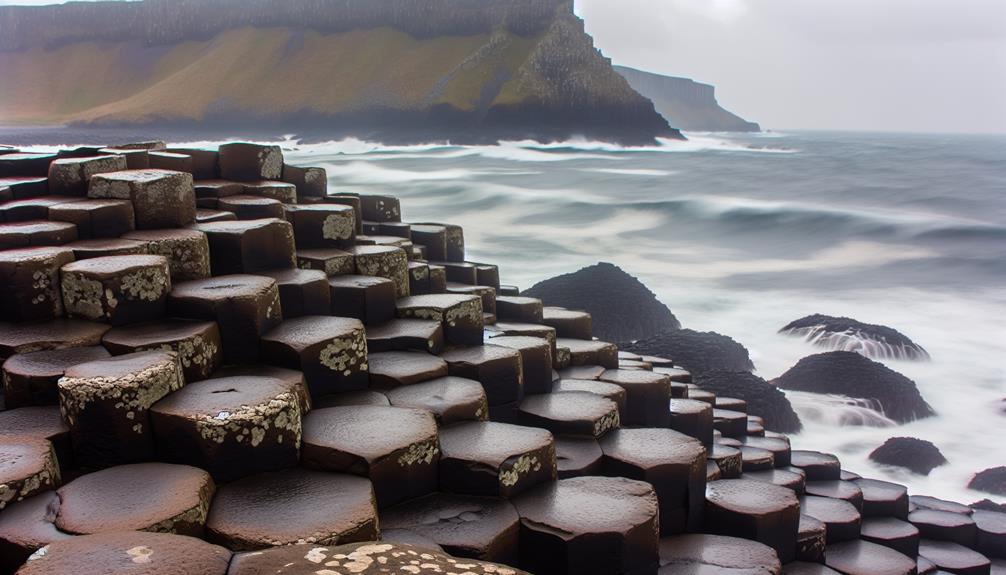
(687, 104)
(396, 70)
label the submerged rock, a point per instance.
(992, 480)
(989, 505)
(847, 334)
(851, 374)
(763, 399)
(622, 308)
(917, 455)
(696, 351)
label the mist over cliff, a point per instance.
(467, 70)
(685, 103)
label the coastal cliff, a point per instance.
(396, 70)
(685, 103)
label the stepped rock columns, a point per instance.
(216, 366)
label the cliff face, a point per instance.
(391, 69)
(686, 104)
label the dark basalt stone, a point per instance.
(992, 480)
(762, 398)
(622, 308)
(914, 454)
(695, 351)
(292, 506)
(674, 463)
(945, 526)
(858, 557)
(578, 413)
(495, 459)
(792, 478)
(927, 502)
(899, 535)
(589, 526)
(989, 505)
(28, 468)
(837, 489)
(816, 465)
(841, 518)
(954, 558)
(847, 334)
(396, 448)
(991, 532)
(729, 460)
(142, 497)
(578, 456)
(474, 527)
(754, 510)
(805, 568)
(780, 448)
(698, 553)
(851, 374)
(883, 499)
(371, 558)
(232, 426)
(129, 552)
(811, 539)
(449, 399)
(30, 378)
(392, 369)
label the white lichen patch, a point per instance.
(422, 453)
(609, 421)
(47, 477)
(393, 265)
(140, 554)
(346, 354)
(338, 226)
(195, 351)
(468, 313)
(188, 258)
(524, 464)
(148, 284)
(131, 394)
(83, 297)
(280, 415)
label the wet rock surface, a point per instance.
(622, 308)
(850, 374)
(762, 398)
(917, 455)
(695, 351)
(992, 480)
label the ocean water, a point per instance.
(741, 234)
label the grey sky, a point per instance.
(898, 65)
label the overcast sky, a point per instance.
(897, 65)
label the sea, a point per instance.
(743, 233)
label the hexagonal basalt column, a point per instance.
(197, 343)
(96, 218)
(323, 225)
(383, 261)
(536, 361)
(55, 334)
(116, 289)
(699, 553)
(302, 292)
(87, 249)
(495, 459)
(245, 307)
(840, 517)
(464, 526)
(460, 315)
(35, 234)
(883, 498)
(29, 467)
(161, 198)
(673, 462)
(331, 351)
(449, 399)
(754, 510)
(106, 403)
(576, 413)
(310, 182)
(648, 396)
(29, 283)
(232, 426)
(143, 497)
(31, 378)
(188, 251)
(329, 260)
(589, 526)
(392, 369)
(859, 557)
(396, 448)
(249, 207)
(586, 352)
(693, 418)
(110, 552)
(368, 299)
(497, 368)
(519, 309)
(279, 191)
(250, 245)
(250, 162)
(817, 465)
(70, 176)
(406, 334)
(568, 324)
(380, 209)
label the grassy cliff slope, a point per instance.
(494, 69)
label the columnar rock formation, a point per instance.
(307, 383)
(464, 70)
